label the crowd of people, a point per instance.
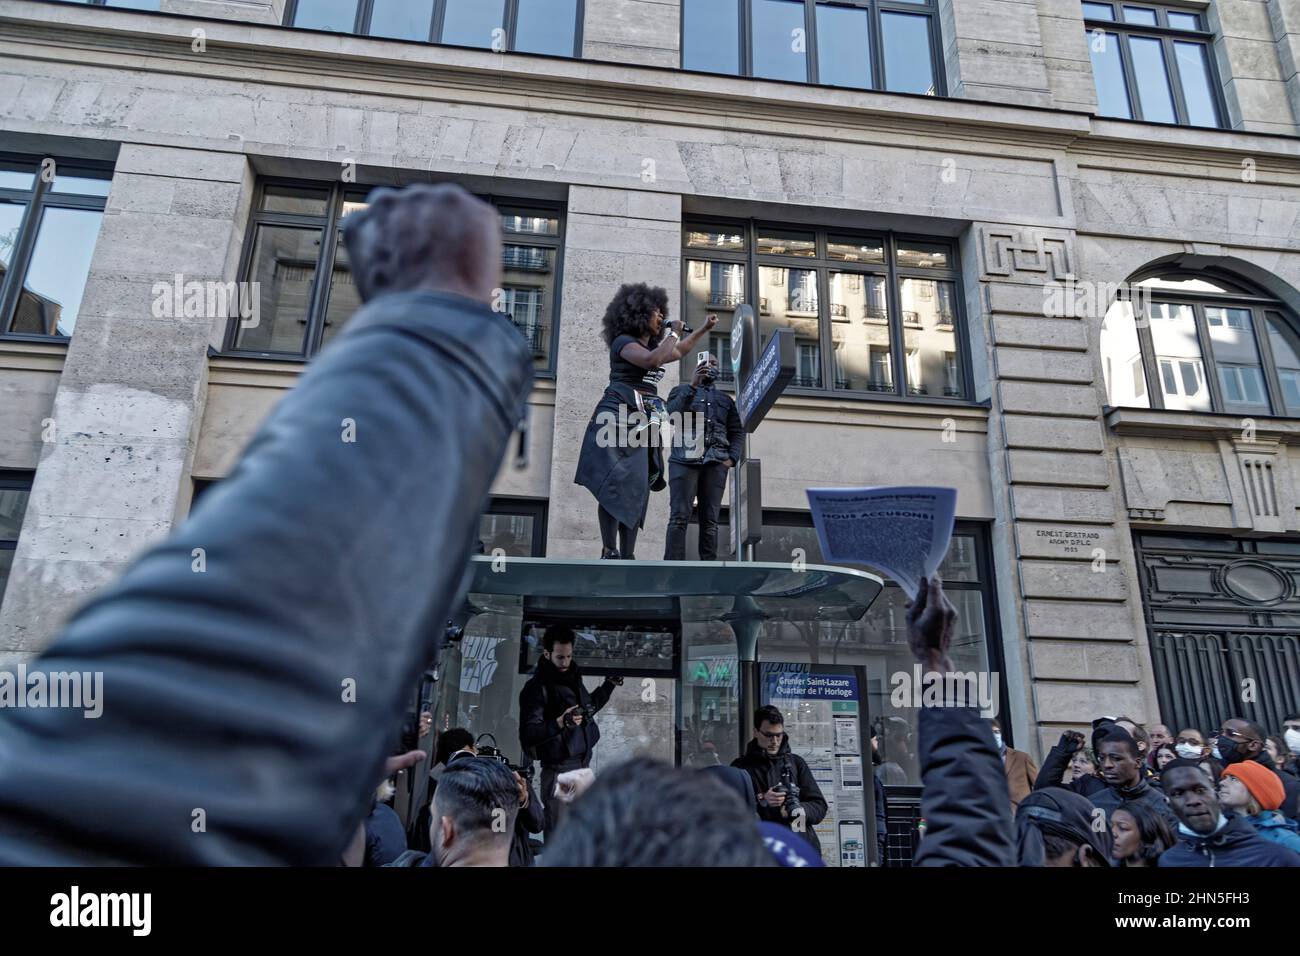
(248, 706)
(1166, 800)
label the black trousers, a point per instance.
(553, 810)
(685, 484)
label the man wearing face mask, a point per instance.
(710, 442)
(1241, 739)
(1019, 766)
(1190, 745)
(1291, 734)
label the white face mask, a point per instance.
(1292, 740)
(997, 739)
(1188, 751)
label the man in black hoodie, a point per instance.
(1121, 764)
(772, 767)
(554, 711)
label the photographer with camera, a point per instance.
(530, 818)
(710, 442)
(787, 792)
(555, 714)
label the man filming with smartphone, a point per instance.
(709, 443)
(555, 714)
(787, 792)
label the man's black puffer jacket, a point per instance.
(765, 773)
(330, 564)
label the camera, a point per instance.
(791, 791)
(492, 752)
(587, 712)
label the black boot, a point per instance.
(606, 553)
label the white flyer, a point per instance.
(903, 532)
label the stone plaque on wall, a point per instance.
(1069, 542)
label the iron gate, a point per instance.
(1224, 619)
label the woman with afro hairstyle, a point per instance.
(622, 465)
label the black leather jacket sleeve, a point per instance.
(965, 804)
(247, 706)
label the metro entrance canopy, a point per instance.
(670, 595)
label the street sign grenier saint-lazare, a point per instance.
(760, 380)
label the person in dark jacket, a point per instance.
(554, 714)
(621, 460)
(530, 820)
(773, 767)
(1063, 756)
(1208, 836)
(1123, 770)
(1055, 827)
(965, 803)
(737, 781)
(224, 687)
(385, 836)
(708, 445)
(1240, 740)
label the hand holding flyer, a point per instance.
(903, 532)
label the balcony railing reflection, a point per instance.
(534, 334)
(526, 260)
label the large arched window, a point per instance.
(1198, 341)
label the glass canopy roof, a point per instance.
(705, 590)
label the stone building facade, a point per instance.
(1131, 552)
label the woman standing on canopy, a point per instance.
(622, 473)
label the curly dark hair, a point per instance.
(629, 312)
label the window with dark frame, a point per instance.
(552, 27)
(295, 240)
(15, 490)
(1203, 343)
(864, 307)
(1153, 63)
(891, 45)
(50, 213)
(513, 527)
